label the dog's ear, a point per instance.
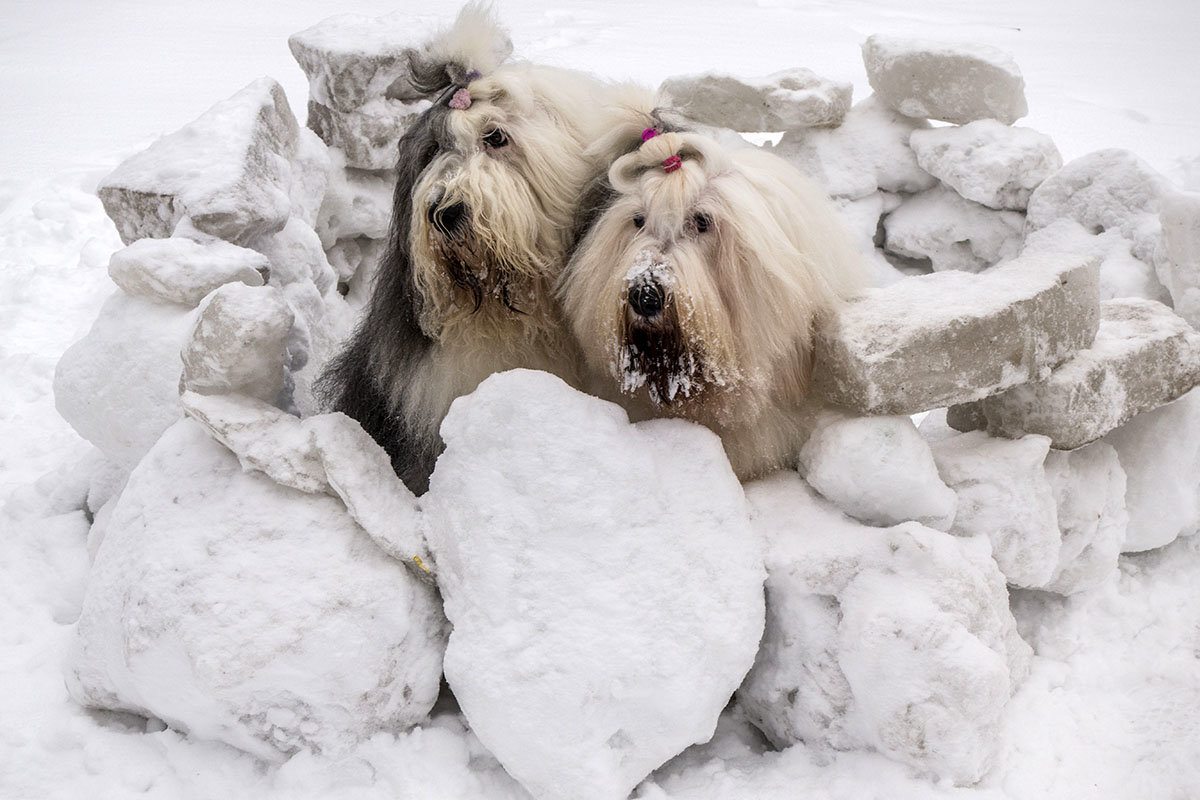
(474, 43)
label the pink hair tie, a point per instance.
(461, 99)
(673, 163)
(649, 134)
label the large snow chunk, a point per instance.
(179, 270)
(1144, 356)
(898, 639)
(1121, 273)
(602, 578)
(118, 387)
(1160, 451)
(1003, 495)
(876, 469)
(1179, 267)
(229, 171)
(1089, 493)
(312, 171)
(993, 164)
(239, 343)
(867, 153)
(784, 101)
(357, 203)
(929, 341)
(249, 613)
(953, 233)
(367, 136)
(953, 82)
(296, 255)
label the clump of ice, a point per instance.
(896, 638)
(179, 270)
(245, 612)
(794, 98)
(602, 578)
(1089, 492)
(1121, 273)
(952, 232)
(876, 469)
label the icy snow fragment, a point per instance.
(868, 152)
(118, 386)
(248, 613)
(1144, 356)
(783, 101)
(929, 341)
(182, 271)
(1179, 267)
(238, 343)
(1089, 493)
(312, 171)
(328, 453)
(229, 171)
(952, 82)
(295, 254)
(357, 203)
(1003, 495)
(1160, 452)
(367, 137)
(602, 579)
(985, 161)
(895, 638)
(951, 232)
(876, 469)
(350, 59)
(1121, 273)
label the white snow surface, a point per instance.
(1109, 707)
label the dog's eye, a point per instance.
(702, 222)
(638, 221)
(496, 139)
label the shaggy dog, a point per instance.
(490, 179)
(696, 292)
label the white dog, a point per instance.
(491, 178)
(696, 292)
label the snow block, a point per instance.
(952, 82)
(296, 256)
(312, 171)
(1160, 452)
(953, 233)
(985, 161)
(934, 340)
(876, 469)
(179, 270)
(1089, 494)
(367, 136)
(1144, 356)
(1121, 273)
(229, 171)
(783, 101)
(1180, 267)
(867, 153)
(357, 203)
(1003, 495)
(118, 386)
(898, 638)
(239, 343)
(252, 614)
(603, 581)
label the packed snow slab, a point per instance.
(118, 386)
(952, 82)
(934, 340)
(249, 613)
(1143, 356)
(351, 59)
(369, 135)
(602, 579)
(1180, 269)
(952, 232)
(899, 639)
(1160, 452)
(990, 163)
(1122, 274)
(183, 271)
(230, 171)
(876, 469)
(1089, 487)
(783, 101)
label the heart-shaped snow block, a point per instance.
(602, 578)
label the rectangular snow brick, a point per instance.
(1144, 356)
(952, 337)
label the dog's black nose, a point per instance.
(446, 218)
(646, 299)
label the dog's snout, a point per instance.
(446, 217)
(647, 299)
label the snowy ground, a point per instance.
(1110, 710)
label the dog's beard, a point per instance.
(476, 272)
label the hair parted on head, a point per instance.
(472, 47)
